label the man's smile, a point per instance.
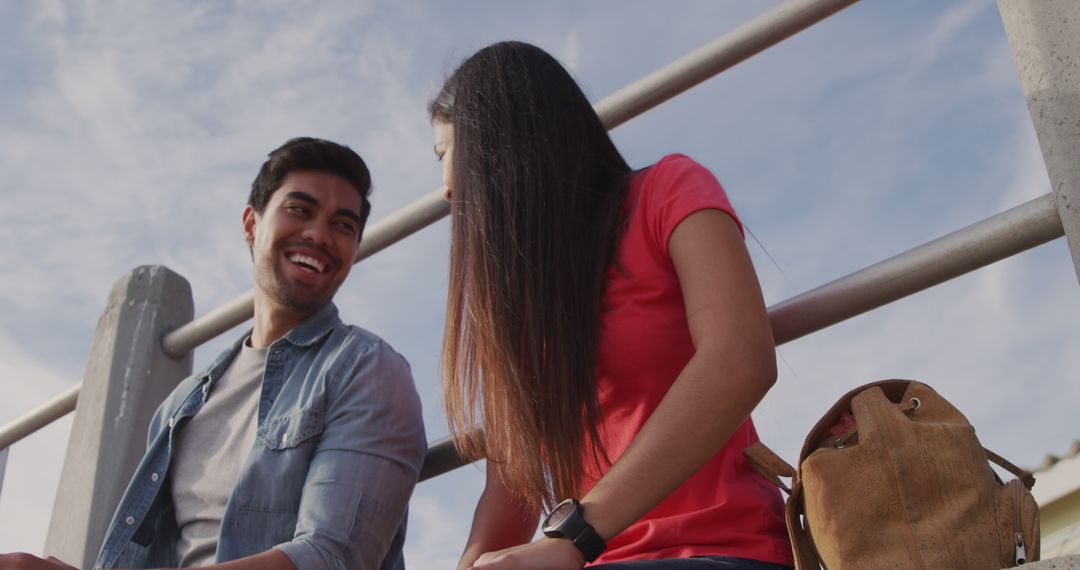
(309, 263)
(308, 259)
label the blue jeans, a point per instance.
(697, 563)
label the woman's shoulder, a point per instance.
(673, 171)
(677, 162)
(676, 172)
(675, 187)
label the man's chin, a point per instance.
(307, 305)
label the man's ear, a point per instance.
(249, 225)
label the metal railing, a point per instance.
(731, 48)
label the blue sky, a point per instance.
(129, 133)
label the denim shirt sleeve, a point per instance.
(365, 465)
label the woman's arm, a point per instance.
(733, 366)
(500, 521)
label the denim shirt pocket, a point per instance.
(273, 482)
(290, 431)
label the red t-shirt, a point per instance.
(725, 508)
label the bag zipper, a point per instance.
(1021, 551)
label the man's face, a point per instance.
(304, 241)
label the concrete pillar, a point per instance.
(127, 376)
(1045, 39)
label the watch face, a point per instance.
(559, 514)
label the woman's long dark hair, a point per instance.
(537, 193)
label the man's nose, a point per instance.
(317, 232)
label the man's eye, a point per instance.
(297, 209)
(347, 226)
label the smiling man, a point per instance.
(299, 447)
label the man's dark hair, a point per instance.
(307, 153)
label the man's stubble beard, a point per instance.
(274, 283)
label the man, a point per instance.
(300, 446)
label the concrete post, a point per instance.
(1045, 39)
(127, 376)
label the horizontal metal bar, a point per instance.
(752, 37)
(997, 237)
(39, 417)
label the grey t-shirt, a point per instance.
(210, 452)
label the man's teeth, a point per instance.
(309, 261)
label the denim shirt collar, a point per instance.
(308, 332)
(314, 327)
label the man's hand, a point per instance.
(544, 554)
(24, 561)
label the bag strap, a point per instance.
(772, 467)
(1023, 475)
(769, 464)
(806, 556)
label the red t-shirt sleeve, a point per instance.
(678, 187)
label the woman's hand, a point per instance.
(544, 554)
(501, 522)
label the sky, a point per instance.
(130, 133)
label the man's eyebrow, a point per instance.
(303, 197)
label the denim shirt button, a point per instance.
(154, 477)
(285, 439)
(172, 422)
(130, 520)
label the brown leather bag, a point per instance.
(894, 477)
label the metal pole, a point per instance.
(982, 243)
(762, 32)
(1045, 39)
(39, 417)
(753, 37)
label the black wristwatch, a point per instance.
(567, 520)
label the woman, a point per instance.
(606, 329)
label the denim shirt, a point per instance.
(338, 448)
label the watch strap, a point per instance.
(576, 529)
(589, 543)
